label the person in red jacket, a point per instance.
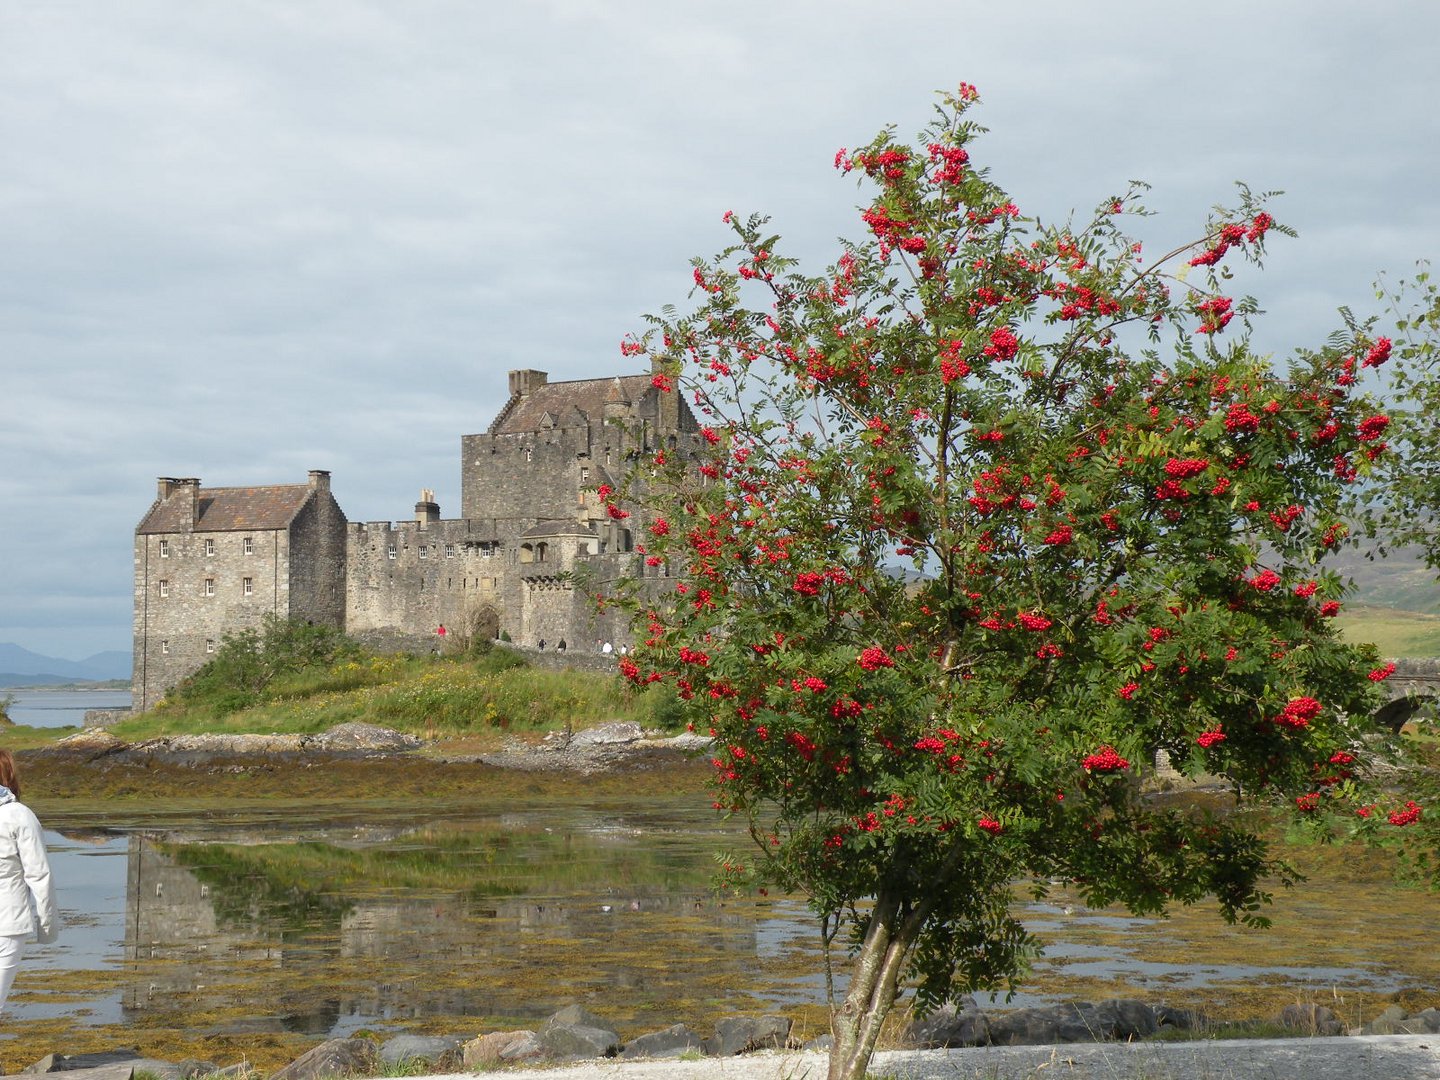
(27, 901)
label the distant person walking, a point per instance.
(27, 903)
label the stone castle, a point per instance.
(531, 536)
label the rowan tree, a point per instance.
(992, 512)
(1411, 480)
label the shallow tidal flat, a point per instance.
(264, 912)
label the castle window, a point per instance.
(247, 585)
(528, 453)
(209, 644)
(487, 550)
(164, 648)
(248, 546)
(164, 549)
(209, 547)
(584, 474)
(164, 587)
(449, 551)
(424, 551)
(209, 586)
(390, 551)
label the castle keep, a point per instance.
(531, 536)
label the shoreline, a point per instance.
(1373, 1057)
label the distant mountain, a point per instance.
(21, 667)
(1400, 580)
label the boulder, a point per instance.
(334, 1058)
(1073, 1021)
(486, 1051)
(1041, 1025)
(1396, 1021)
(948, 1025)
(1311, 1019)
(1180, 1019)
(124, 1071)
(575, 1032)
(76, 1062)
(94, 742)
(356, 735)
(119, 1065)
(527, 1048)
(742, 1034)
(672, 1042)
(568, 1041)
(621, 731)
(439, 1053)
(1124, 1018)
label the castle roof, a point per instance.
(558, 528)
(226, 509)
(560, 400)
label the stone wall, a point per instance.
(415, 576)
(204, 586)
(317, 563)
(519, 479)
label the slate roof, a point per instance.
(558, 528)
(228, 509)
(560, 400)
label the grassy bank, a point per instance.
(492, 693)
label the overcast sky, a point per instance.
(242, 240)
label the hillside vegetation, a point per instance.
(1393, 632)
(293, 678)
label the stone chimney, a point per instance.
(320, 479)
(172, 486)
(427, 510)
(526, 380)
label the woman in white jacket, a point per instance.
(27, 903)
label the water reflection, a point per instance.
(477, 920)
(325, 929)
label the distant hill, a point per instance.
(21, 667)
(1400, 580)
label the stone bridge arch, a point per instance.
(1414, 687)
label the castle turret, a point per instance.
(617, 405)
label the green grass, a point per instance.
(1409, 634)
(437, 697)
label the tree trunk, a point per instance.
(855, 1026)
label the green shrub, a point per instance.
(249, 661)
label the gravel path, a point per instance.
(1357, 1057)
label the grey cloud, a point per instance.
(247, 240)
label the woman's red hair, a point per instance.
(8, 776)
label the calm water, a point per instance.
(236, 924)
(61, 708)
(326, 928)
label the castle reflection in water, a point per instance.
(325, 937)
